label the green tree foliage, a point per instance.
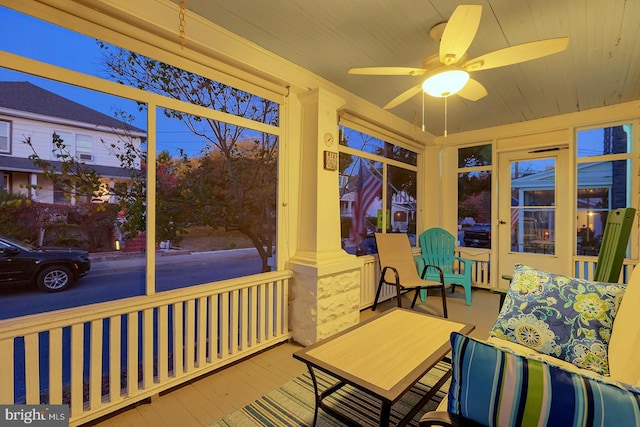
(172, 214)
(18, 218)
(478, 155)
(233, 182)
(399, 178)
(86, 225)
(474, 196)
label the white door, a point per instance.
(533, 209)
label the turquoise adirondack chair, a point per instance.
(438, 248)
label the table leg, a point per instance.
(385, 414)
(427, 397)
(315, 392)
(321, 395)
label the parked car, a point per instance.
(478, 236)
(52, 269)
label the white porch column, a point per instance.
(325, 296)
(33, 182)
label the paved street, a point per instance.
(120, 275)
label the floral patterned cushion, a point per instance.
(561, 316)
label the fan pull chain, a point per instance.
(445, 116)
(181, 14)
(422, 111)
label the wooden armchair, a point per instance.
(438, 248)
(397, 268)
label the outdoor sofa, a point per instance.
(580, 365)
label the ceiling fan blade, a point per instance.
(404, 96)
(388, 71)
(473, 90)
(459, 33)
(516, 54)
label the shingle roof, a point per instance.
(25, 96)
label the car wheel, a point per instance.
(54, 278)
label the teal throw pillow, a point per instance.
(560, 316)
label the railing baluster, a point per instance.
(32, 368)
(224, 325)
(201, 341)
(115, 364)
(178, 345)
(214, 330)
(244, 320)
(234, 333)
(253, 314)
(163, 343)
(132, 353)
(147, 348)
(261, 314)
(7, 371)
(55, 366)
(95, 365)
(189, 335)
(77, 365)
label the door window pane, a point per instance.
(533, 206)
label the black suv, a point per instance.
(52, 269)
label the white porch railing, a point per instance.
(103, 357)
(585, 268)
(369, 283)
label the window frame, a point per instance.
(84, 145)
(6, 125)
(190, 61)
(371, 130)
(631, 183)
(476, 169)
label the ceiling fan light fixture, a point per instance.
(445, 83)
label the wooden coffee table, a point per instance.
(383, 356)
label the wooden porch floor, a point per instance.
(211, 397)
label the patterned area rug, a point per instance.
(292, 404)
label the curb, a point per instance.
(120, 255)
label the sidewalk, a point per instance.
(120, 261)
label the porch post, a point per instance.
(325, 295)
(33, 182)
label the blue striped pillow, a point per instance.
(494, 386)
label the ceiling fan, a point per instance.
(447, 73)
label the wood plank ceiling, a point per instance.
(600, 67)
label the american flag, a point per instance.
(369, 186)
(515, 212)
